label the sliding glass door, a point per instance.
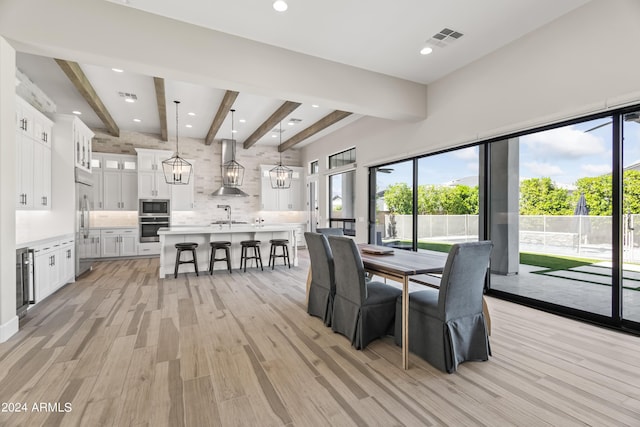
(551, 216)
(394, 208)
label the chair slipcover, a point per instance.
(447, 325)
(323, 283)
(330, 231)
(362, 311)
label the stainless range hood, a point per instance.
(227, 155)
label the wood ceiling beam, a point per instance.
(226, 104)
(323, 123)
(82, 84)
(282, 112)
(161, 101)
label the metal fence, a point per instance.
(588, 236)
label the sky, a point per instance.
(564, 154)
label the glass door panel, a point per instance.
(394, 205)
(448, 199)
(631, 217)
(551, 216)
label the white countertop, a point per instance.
(224, 229)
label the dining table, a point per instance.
(403, 266)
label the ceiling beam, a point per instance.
(282, 112)
(226, 104)
(81, 82)
(323, 123)
(158, 82)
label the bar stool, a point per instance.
(187, 246)
(214, 247)
(244, 256)
(279, 243)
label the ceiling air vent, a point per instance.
(128, 97)
(293, 120)
(444, 38)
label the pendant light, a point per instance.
(232, 171)
(280, 176)
(177, 171)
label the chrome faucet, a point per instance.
(227, 209)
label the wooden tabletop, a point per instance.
(402, 262)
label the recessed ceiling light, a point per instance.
(191, 114)
(76, 112)
(426, 50)
(234, 131)
(129, 100)
(117, 70)
(188, 126)
(274, 136)
(280, 5)
(137, 120)
(242, 121)
(315, 105)
(290, 123)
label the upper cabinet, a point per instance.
(289, 199)
(71, 128)
(115, 182)
(151, 183)
(33, 157)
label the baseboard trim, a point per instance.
(8, 329)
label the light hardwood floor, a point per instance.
(125, 348)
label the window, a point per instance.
(342, 202)
(343, 158)
(313, 168)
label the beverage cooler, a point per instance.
(24, 280)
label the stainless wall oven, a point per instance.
(149, 226)
(154, 207)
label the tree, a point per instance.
(399, 199)
(540, 196)
(461, 200)
(597, 192)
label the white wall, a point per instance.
(8, 318)
(584, 62)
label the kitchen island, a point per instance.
(235, 233)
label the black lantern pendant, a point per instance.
(232, 171)
(177, 171)
(280, 176)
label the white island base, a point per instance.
(234, 234)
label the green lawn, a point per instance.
(550, 262)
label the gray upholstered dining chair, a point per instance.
(362, 311)
(323, 283)
(447, 325)
(330, 231)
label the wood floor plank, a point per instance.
(124, 347)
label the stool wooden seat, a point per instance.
(275, 244)
(244, 255)
(224, 245)
(186, 246)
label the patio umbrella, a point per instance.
(584, 226)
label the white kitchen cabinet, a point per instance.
(151, 182)
(82, 137)
(149, 248)
(183, 196)
(33, 158)
(273, 199)
(115, 184)
(54, 266)
(119, 242)
(151, 185)
(24, 171)
(46, 271)
(92, 245)
(120, 190)
(41, 176)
